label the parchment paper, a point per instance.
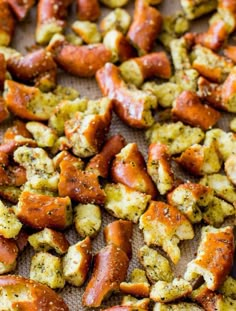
(24, 38)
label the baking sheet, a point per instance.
(24, 38)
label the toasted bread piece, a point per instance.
(47, 269)
(48, 239)
(8, 255)
(164, 225)
(195, 9)
(40, 211)
(176, 136)
(124, 202)
(87, 219)
(118, 19)
(88, 10)
(159, 167)
(114, 3)
(110, 268)
(88, 31)
(129, 168)
(10, 225)
(77, 261)
(156, 266)
(138, 285)
(119, 233)
(214, 257)
(145, 27)
(230, 168)
(228, 288)
(167, 292)
(190, 199)
(133, 106)
(19, 292)
(44, 135)
(186, 306)
(7, 24)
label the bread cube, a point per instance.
(138, 285)
(88, 31)
(118, 19)
(44, 135)
(194, 9)
(10, 225)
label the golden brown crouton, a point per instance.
(40, 211)
(100, 163)
(47, 269)
(37, 67)
(119, 233)
(214, 257)
(164, 225)
(165, 292)
(7, 24)
(125, 203)
(200, 160)
(145, 27)
(156, 266)
(190, 199)
(138, 285)
(159, 167)
(77, 261)
(87, 219)
(129, 168)
(110, 268)
(86, 131)
(88, 10)
(51, 15)
(130, 104)
(48, 239)
(188, 108)
(28, 294)
(8, 255)
(81, 186)
(81, 61)
(138, 69)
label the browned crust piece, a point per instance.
(8, 251)
(100, 163)
(42, 297)
(82, 61)
(81, 186)
(40, 211)
(7, 23)
(21, 7)
(126, 106)
(88, 10)
(146, 26)
(110, 269)
(3, 71)
(189, 109)
(119, 233)
(33, 67)
(131, 171)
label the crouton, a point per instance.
(138, 285)
(44, 135)
(7, 24)
(186, 306)
(88, 31)
(10, 225)
(230, 168)
(118, 19)
(134, 303)
(194, 9)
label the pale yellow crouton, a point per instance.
(164, 225)
(221, 185)
(87, 31)
(77, 261)
(186, 79)
(9, 52)
(182, 306)
(216, 211)
(74, 39)
(10, 193)
(6, 268)
(10, 226)
(48, 239)
(113, 41)
(47, 269)
(232, 125)
(64, 111)
(214, 258)
(65, 93)
(230, 168)
(165, 93)
(114, 3)
(167, 292)
(118, 19)
(40, 171)
(196, 8)
(88, 219)
(137, 304)
(156, 266)
(176, 136)
(228, 288)
(44, 135)
(125, 203)
(225, 142)
(62, 143)
(179, 54)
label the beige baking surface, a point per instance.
(24, 38)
